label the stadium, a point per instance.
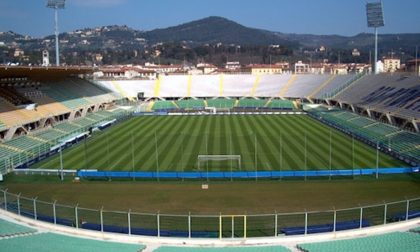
(221, 161)
(217, 131)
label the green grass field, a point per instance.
(264, 142)
(235, 197)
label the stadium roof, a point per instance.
(43, 73)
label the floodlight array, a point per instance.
(56, 4)
(375, 15)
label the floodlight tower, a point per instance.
(56, 5)
(375, 19)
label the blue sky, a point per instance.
(343, 17)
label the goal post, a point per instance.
(234, 221)
(204, 159)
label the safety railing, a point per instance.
(219, 226)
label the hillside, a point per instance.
(215, 30)
(211, 30)
(361, 40)
(214, 39)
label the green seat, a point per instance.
(49, 135)
(5, 152)
(84, 122)
(392, 137)
(362, 121)
(407, 242)
(280, 104)
(47, 242)
(2, 126)
(66, 127)
(221, 103)
(163, 105)
(23, 143)
(416, 230)
(251, 103)
(77, 93)
(228, 249)
(190, 104)
(9, 228)
(25, 148)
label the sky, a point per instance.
(342, 17)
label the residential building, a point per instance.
(391, 65)
(264, 69)
(206, 68)
(233, 65)
(301, 67)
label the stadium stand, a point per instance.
(54, 242)
(251, 103)
(157, 87)
(143, 107)
(49, 135)
(361, 121)
(304, 85)
(190, 104)
(322, 86)
(235, 87)
(173, 86)
(92, 92)
(360, 90)
(10, 94)
(2, 126)
(66, 96)
(15, 237)
(337, 85)
(286, 87)
(382, 129)
(280, 104)
(389, 137)
(271, 85)
(13, 116)
(10, 229)
(386, 93)
(23, 149)
(130, 88)
(387, 242)
(23, 143)
(321, 228)
(72, 93)
(207, 86)
(224, 249)
(83, 122)
(66, 127)
(46, 106)
(221, 103)
(71, 99)
(401, 92)
(48, 99)
(245, 85)
(164, 105)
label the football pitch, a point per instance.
(263, 143)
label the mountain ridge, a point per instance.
(215, 29)
(213, 39)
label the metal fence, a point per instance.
(210, 226)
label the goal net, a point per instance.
(219, 162)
